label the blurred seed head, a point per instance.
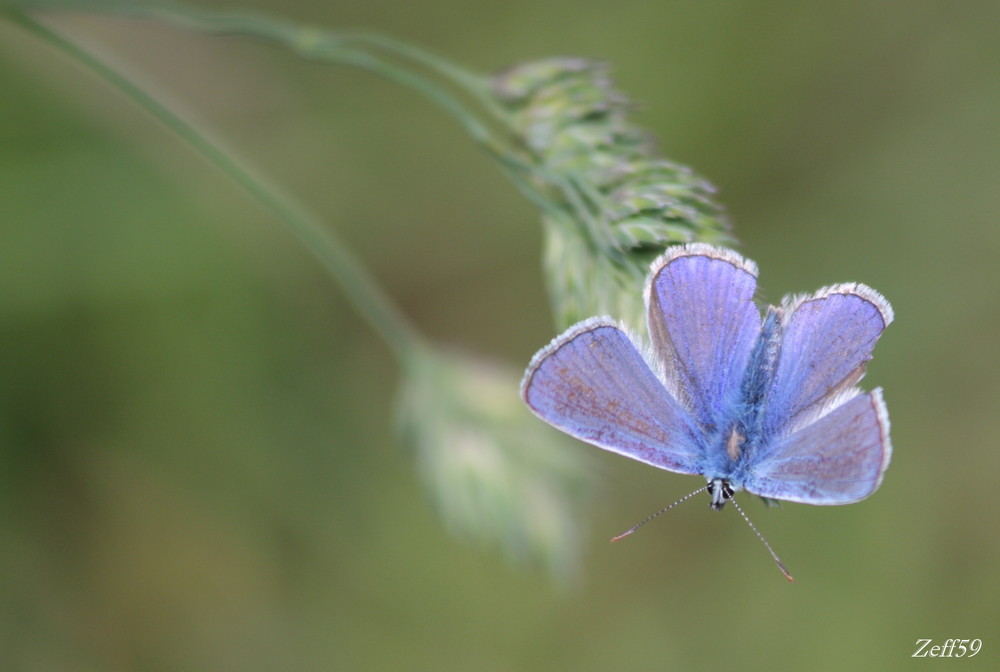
(496, 475)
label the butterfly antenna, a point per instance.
(760, 536)
(663, 510)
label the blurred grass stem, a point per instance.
(358, 285)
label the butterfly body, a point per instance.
(766, 404)
(730, 452)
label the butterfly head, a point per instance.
(719, 490)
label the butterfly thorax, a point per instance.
(729, 456)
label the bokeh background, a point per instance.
(197, 462)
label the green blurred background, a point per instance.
(197, 461)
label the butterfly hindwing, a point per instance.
(703, 324)
(826, 340)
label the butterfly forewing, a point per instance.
(838, 459)
(592, 383)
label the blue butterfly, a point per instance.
(768, 405)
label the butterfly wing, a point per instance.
(592, 383)
(838, 459)
(703, 324)
(826, 340)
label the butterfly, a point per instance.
(768, 404)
